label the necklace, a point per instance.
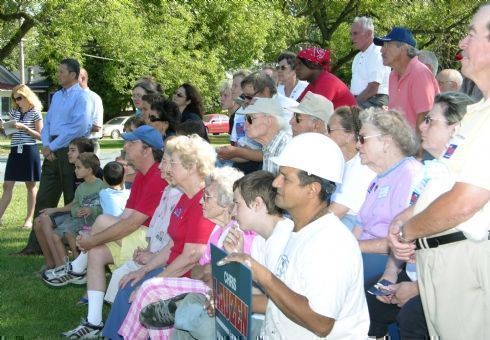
(322, 212)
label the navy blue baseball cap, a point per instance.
(400, 34)
(147, 134)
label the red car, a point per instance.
(216, 123)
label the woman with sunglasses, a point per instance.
(189, 101)
(343, 128)
(289, 85)
(386, 144)
(164, 116)
(23, 164)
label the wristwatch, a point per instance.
(401, 235)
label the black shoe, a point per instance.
(160, 314)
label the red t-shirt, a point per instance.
(331, 88)
(188, 225)
(146, 192)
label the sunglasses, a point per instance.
(362, 139)
(180, 95)
(18, 99)
(154, 119)
(247, 97)
(250, 119)
(428, 119)
(330, 130)
(281, 68)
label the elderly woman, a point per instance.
(343, 128)
(289, 85)
(217, 206)
(404, 304)
(386, 143)
(23, 164)
(191, 161)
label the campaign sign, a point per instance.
(232, 290)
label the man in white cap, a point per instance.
(317, 287)
(266, 124)
(311, 115)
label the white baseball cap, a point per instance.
(315, 105)
(315, 154)
(268, 106)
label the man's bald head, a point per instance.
(449, 80)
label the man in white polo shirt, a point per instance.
(369, 83)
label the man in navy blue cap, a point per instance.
(112, 240)
(412, 86)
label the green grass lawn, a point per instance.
(29, 308)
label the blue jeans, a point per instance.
(120, 307)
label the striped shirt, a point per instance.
(273, 149)
(28, 119)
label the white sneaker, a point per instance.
(84, 331)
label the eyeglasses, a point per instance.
(180, 95)
(248, 97)
(298, 118)
(428, 119)
(330, 130)
(154, 119)
(18, 99)
(361, 139)
(281, 67)
(206, 197)
(250, 119)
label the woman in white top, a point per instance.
(343, 128)
(289, 86)
(23, 164)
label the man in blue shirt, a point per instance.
(68, 117)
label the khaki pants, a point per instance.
(454, 282)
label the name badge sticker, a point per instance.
(450, 151)
(383, 191)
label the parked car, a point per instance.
(216, 123)
(114, 127)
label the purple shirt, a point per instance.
(388, 194)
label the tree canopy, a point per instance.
(198, 41)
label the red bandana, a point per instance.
(316, 55)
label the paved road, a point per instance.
(105, 157)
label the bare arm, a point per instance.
(447, 211)
(368, 92)
(338, 209)
(259, 303)
(184, 262)
(375, 246)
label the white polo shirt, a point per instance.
(368, 67)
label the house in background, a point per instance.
(35, 79)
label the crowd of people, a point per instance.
(355, 208)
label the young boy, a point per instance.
(113, 198)
(84, 209)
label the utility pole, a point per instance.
(21, 62)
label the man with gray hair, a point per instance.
(449, 80)
(265, 123)
(429, 59)
(412, 86)
(311, 115)
(369, 83)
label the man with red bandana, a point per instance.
(314, 66)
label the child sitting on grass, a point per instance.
(84, 209)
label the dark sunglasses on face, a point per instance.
(281, 68)
(180, 95)
(250, 119)
(154, 119)
(247, 97)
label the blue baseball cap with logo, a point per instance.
(147, 134)
(400, 34)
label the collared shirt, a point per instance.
(296, 92)
(414, 91)
(97, 111)
(273, 149)
(368, 67)
(68, 117)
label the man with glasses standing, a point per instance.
(369, 83)
(68, 117)
(412, 86)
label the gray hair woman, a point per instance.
(386, 143)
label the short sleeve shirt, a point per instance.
(368, 67)
(146, 192)
(331, 88)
